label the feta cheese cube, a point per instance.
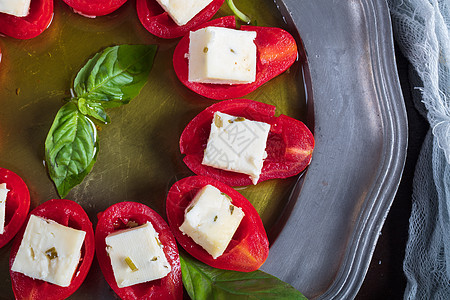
(237, 144)
(182, 11)
(3, 195)
(49, 251)
(18, 8)
(211, 220)
(137, 255)
(222, 55)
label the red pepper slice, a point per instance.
(30, 26)
(276, 52)
(289, 146)
(158, 22)
(93, 8)
(67, 213)
(116, 217)
(17, 204)
(249, 246)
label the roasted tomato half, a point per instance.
(276, 52)
(38, 19)
(67, 213)
(119, 216)
(94, 8)
(17, 204)
(158, 22)
(289, 145)
(249, 247)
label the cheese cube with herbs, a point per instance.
(211, 220)
(3, 195)
(222, 55)
(237, 144)
(136, 255)
(18, 8)
(182, 11)
(49, 251)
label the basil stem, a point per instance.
(244, 18)
(204, 282)
(93, 109)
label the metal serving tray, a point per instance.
(360, 127)
(324, 238)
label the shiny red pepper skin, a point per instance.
(159, 23)
(67, 213)
(249, 246)
(289, 146)
(116, 217)
(276, 52)
(30, 26)
(94, 8)
(17, 204)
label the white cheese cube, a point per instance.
(3, 195)
(211, 220)
(237, 144)
(18, 8)
(137, 255)
(182, 11)
(49, 251)
(222, 55)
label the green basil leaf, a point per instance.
(204, 282)
(116, 75)
(93, 109)
(70, 148)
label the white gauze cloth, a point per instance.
(421, 28)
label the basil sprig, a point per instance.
(204, 282)
(111, 78)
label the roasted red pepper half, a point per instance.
(289, 145)
(158, 22)
(276, 52)
(17, 204)
(67, 213)
(30, 26)
(249, 247)
(94, 8)
(117, 217)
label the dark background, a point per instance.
(385, 278)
